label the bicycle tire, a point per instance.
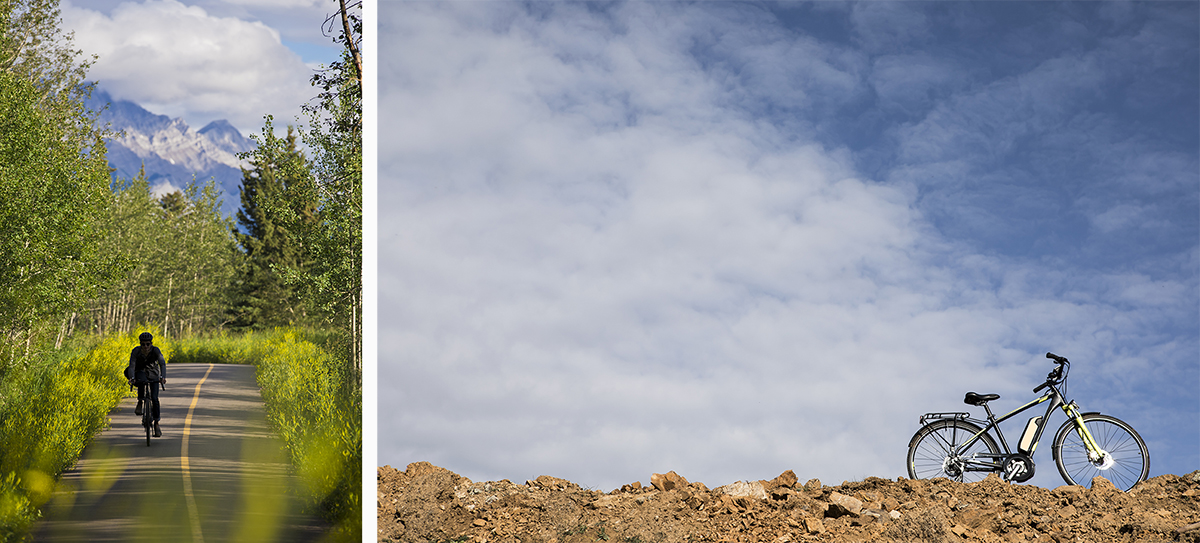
(929, 450)
(146, 418)
(1130, 457)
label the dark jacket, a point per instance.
(138, 363)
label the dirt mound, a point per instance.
(426, 503)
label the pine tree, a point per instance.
(263, 298)
(173, 204)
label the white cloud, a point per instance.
(181, 61)
(163, 189)
(298, 4)
(594, 265)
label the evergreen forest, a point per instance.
(87, 261)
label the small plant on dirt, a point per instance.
(602, 535)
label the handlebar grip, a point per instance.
(1056, 358)
(1040, 387)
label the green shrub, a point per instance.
(312, 400)
(39, 439)
(247, 348)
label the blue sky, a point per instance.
(204, 60)
(731, 239)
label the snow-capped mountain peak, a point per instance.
(172, 152)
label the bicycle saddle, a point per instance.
(979, 399)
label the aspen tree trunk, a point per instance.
(62, 331)
(167, 314)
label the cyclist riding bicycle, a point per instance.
(147, 367)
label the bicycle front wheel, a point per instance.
(1124, 459)
(931, 453)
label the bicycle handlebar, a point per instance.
(1056, 375)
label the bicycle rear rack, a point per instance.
(936, 416)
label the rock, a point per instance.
(877, 514)
(841, 505)
(743, 489)
(862, 521)
(786, 479)
(668, 481)
(432, 504)
(551, 483)
(1100, 484)
(813, 525)
(812, 484)
(1070, 492)
(632, 487)
(604, 501)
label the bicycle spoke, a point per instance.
(937, 449)
(1126, 461)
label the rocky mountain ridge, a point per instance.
(426, 503)
(172, 152)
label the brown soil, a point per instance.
(426, 503)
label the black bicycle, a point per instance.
(956, 446)
(148, 410)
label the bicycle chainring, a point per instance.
(1018, 468)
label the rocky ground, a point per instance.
(425, 503)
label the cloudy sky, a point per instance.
(731, 239)
(204, 60)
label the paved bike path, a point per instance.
(226, 479)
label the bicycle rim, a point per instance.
(930, 450)
(1130, 460)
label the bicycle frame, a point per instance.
(147, 412)
(1055, 397)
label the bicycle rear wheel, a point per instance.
(146, 424)
(1127, 460)
(930, 451)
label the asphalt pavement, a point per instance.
(221, 476)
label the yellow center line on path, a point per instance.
(197, 536)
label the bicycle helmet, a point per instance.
(146, 337)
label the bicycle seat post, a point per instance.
(975, 399)
(991, 418)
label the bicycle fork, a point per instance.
(1098, 456)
